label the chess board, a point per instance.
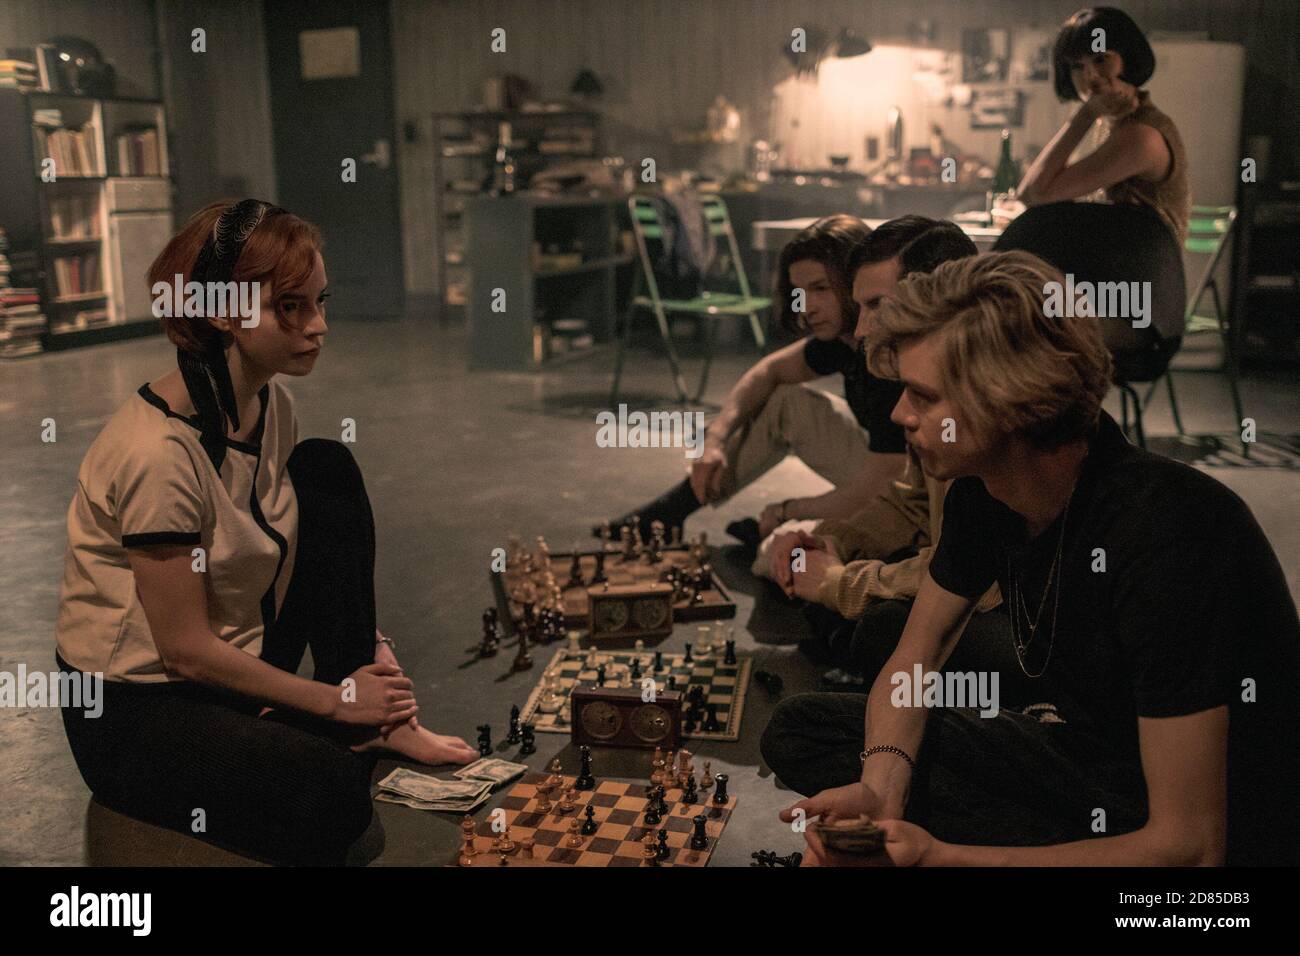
(620, 812)
(714, 603)
(724, 685)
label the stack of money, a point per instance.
(423, 792)
(858, 836)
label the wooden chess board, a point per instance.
(724, 685)
(714, 603)
(620, 813)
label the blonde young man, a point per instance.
(1143, 595)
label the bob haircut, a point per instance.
(1121, 35)
(280, 252)
(830, 241)
(1007, 366)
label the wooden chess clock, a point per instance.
(629, 610)
(618, 717)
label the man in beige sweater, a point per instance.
(849, 565)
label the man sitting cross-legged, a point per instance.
(1145, 601)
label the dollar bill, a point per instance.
(858, 836)
(426, 789)
(462, 806)
(491, 768)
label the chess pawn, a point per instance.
(703, 646)
(684, 768)
(575, 837)
(648, 845)
(670, 770)
(657, 774)
(566, 802)
(706, 780)
(544, 795)
(504, 843)
(526, 847)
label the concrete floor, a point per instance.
(454, 461)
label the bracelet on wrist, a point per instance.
(887, 749)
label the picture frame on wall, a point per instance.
(985, 56)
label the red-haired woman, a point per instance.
(207, 547)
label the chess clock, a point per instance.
(618, 717)
(630, 610)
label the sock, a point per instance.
(673, 507)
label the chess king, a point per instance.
(1147, 608)
(202, 705)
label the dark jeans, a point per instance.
(284, 787)
(1008, 780)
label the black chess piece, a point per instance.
(699, 837)
(636, 668)
(589, 824)
(600, 675)
(513, 736)
(794, 859)
(720, 796)
(688, 659)
(659, 660)
(488, 645)
(575, 571)
(585, 779)
(523, 660)
(671, 682)
(688, 721)
(528, 744)
(599, 577)
(711, 724)
(662, 852)
(690, 794)
(763, 858)
(661, 805)
(652, 817)
(730, 657)
(484, 740)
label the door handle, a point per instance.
(382, 156)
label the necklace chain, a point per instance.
(1017, 601)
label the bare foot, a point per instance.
(422, 744)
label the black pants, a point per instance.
(285, 787)
(1008, 780)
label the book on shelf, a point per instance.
(77, 275)
(137, 152)
(74, 217)
(73, 150)
(41, 60)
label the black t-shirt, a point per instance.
(872, 399)
(1191, 606)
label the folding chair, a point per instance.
(648, 228)
(1207, 235)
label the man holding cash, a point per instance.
(1150, 618)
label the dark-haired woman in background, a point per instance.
(771, 412)
(1102, 58)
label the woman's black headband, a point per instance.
(206, 375)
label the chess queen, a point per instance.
(207, 547)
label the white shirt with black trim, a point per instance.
(145, 481)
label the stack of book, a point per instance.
(18, 74)
(21, 319)
(137, 152)
(32, 67)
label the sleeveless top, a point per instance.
(1170, 197)
(146, 480)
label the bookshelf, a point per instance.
(88, 186)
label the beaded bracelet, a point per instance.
(887, 749)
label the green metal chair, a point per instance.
(648, 229)
(1208, 230)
